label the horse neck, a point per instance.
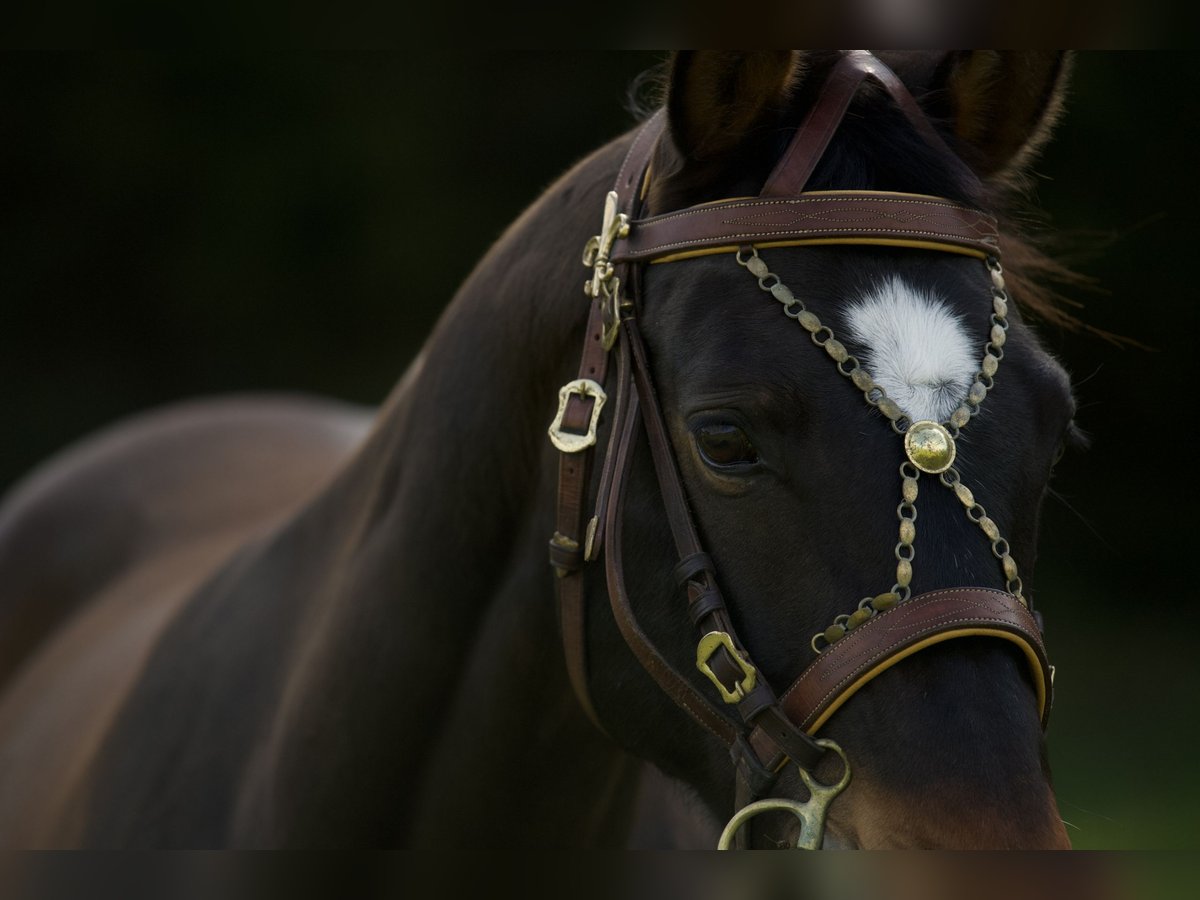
(428, 654)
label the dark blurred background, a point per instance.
(182, 224)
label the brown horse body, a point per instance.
(279, 622)
(253, 554)
(106, 544)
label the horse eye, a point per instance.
(723, 444)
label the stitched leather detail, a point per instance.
(842, 214)
(888, 633)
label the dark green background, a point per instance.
(186, 224)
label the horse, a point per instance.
(286, 621)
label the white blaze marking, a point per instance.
(914, 347)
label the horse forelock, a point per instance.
(915, 347)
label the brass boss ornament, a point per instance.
(929, 447)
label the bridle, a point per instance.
(770, 728)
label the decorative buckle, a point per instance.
(604, 286)
(704, 652)
(567, 441)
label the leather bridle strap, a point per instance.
(674, 685)
(578, 420)
(841, 86)
(907, 628)
(757, 704)
(729, 662)
(814, 218)
(783, 214)
(566, 545)
(795, 167)
(913, 625)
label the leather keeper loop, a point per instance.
(756, 701)
(688, 567)
(708, 602)
(800, 748)
(564, 557)
(757, 777)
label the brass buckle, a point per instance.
(566, 441)
(604, 287)
(704, 651)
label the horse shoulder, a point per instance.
(100, 548)
(187, 482)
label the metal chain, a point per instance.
(993, 352)
(906, 512)
(977, 514)
(822, 336)
(848, 365)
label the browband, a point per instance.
(784, 214)
(817, 217)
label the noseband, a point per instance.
(767, 729)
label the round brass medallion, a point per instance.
(929, 447)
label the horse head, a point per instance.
(797, 380)
(801, 456)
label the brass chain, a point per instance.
(822, 336)
(849, 366)
(977, 514)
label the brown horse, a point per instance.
(283, 621)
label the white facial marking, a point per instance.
(914, 347)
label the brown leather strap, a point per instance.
(566, 546)
(759, 706)
(911, 220)
(880, 73)
(683, 530)
(783, 214)
(671, 682)
(570, 539)
(841, 85)
(594, 538)
(637, 160)
(566, 551)
(881, 642)
(796, 166)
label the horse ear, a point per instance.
(1004, 104)
(715, 97)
